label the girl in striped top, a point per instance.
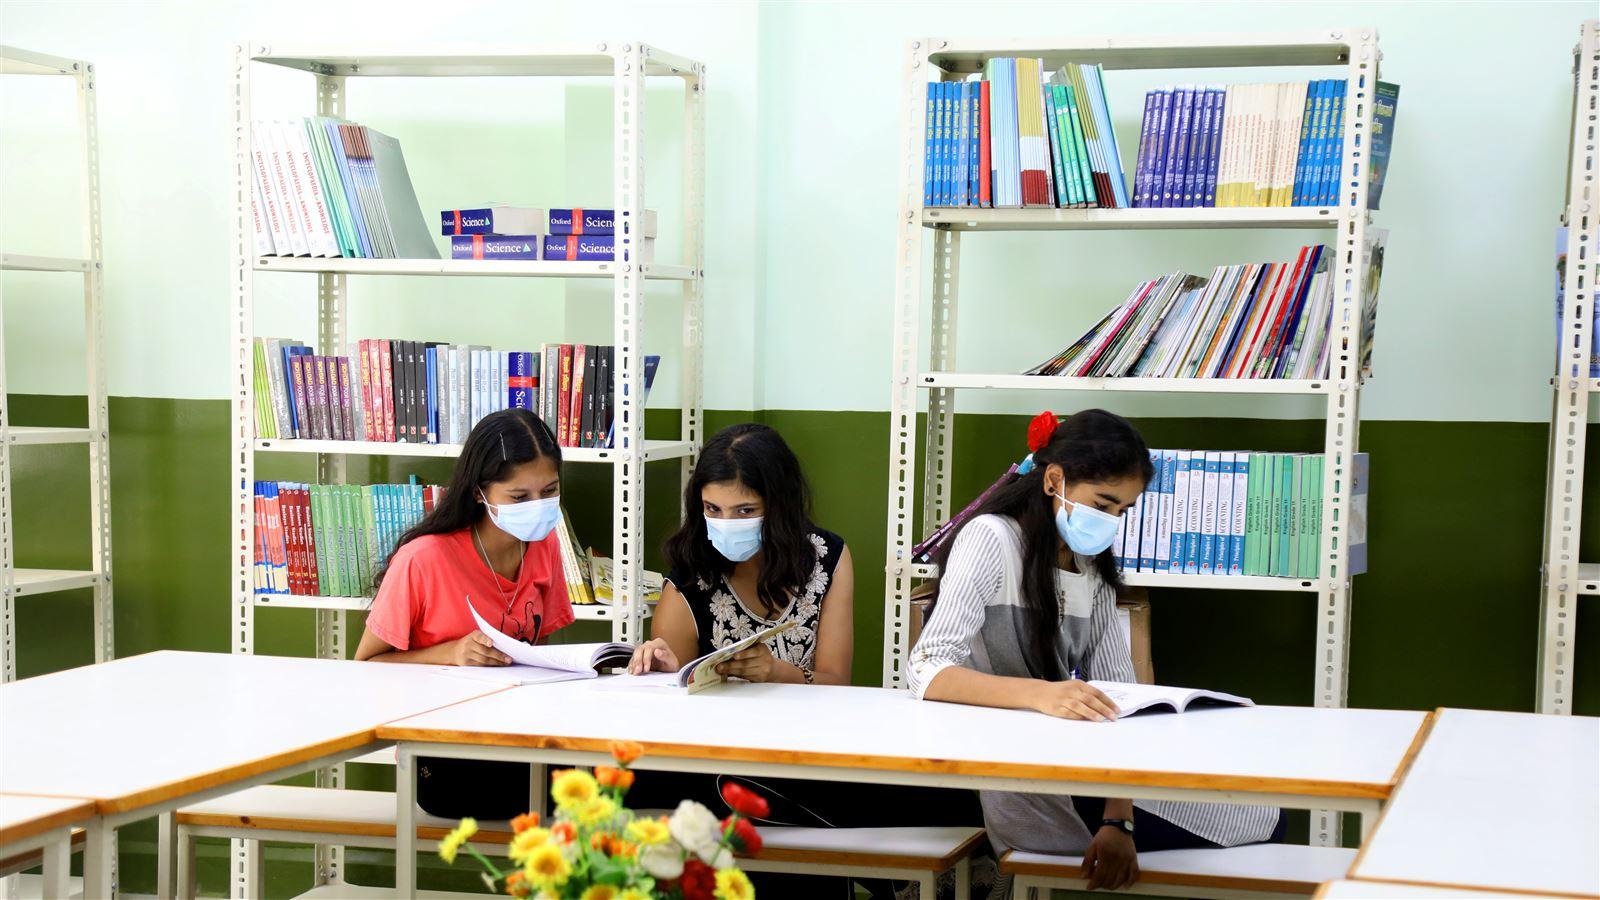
(1026, 616)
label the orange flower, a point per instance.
(600, 840)
(516, 885)
(625, 752)
(563, 832)
(622, 849)
(617, 778)
(524, 822)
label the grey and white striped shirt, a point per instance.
(980, 622)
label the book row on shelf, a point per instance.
(327, 188)
(1016, 137)
(320, 540)
(521, 232)
(1224, 513)
(433, 393)
(1256, 320)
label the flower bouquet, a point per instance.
(597, 849)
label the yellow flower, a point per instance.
(633, 894)
(733, 884)
(595, 811)
(547, 867)
(600, 892)
(573, 788)
(527, 841)
(452, 842)
(648, 832)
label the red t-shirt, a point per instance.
(420, 603)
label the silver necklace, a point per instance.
(495, 576)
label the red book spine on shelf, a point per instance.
(985, 164)
(313, 580)
(564, 405)
(364, 366)
(276, 560)
(291, 534)
(574, 411)
(386, 388)
(256, 579)
(302, 521)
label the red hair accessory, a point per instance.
(1041, 429)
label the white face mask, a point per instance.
(530, 520)
(735, 539)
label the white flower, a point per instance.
(722, 605)
(695, 828)
(717, 857)
(662, 861)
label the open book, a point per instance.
(697, 674)
(1133, 698)
(539, 663)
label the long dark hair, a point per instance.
(1092, 445)
(756, 457)
(499, 443)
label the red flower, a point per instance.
(612, 777)
(744, 801)
(699, 881)
(744, 837)
(524, 822)
(1041, 429)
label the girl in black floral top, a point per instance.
(749, 557)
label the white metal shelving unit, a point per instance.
(627, 64)
(1564, 577)
(1355, 50)
(15, 582)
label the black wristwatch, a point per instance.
(1125, 824)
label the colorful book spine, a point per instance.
(1214, 145)
(1333, 151)
(1168, 473)
(929, 127)
(588, 248)
(985, 144)
(1208, 512)
(597, 222)
(1180, 508)
(524, 378)
(1236, 525)
(485, 246)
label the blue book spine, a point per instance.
(588, 221)
(1141, 166)
(519, 380)
(1333, 159)
(974, 151)
(1130, 537)
(1241, 481)
(1177, 145)
(431, 373)
(1194, 176)
(930, 123)
(1158, 147)
(941, 150)
(348, 182)
(958, 160)
(578, 247)
(1225, 469)
(1169, 488)
(1208, 527)
(489, 246)
(1317, 143)
(963, 173)
(947, 136)
(1219, 99)
(1307, 120)
(1180, 507)
(1191, 536)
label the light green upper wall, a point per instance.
(803, 118)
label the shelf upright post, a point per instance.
(1342, 435)
(903, 390)
(1569, 417)
(692, 399)
(627, 126)
(244, 856)
(8, 571)
(99, 419)
(332, 468)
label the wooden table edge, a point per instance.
(82, 812)
(1010, 865)
(1406, 762)
(1023, 771)
(1472, 889)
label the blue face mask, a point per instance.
(736, 539)
(530, 520)
(1085, 529)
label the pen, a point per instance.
(538, 621)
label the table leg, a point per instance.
(99, 859)
(538, 789)
(964, 879)
(165, 847)
(58, 865)
(405, 846)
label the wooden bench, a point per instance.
(1252, 871)
(351, 818)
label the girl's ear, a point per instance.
(1054, 477)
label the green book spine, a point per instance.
(1080, 147)
(266, 424)
(332, 186)
(369, 533)
(352, 559)
(1269, 515)
(1311, 531)
(1297, 493)
(319, 528)
(347, 562)
(1069, 150)
(1251, 489)
(335, 532)
(1286, 487)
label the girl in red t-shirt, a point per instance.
(490, 542)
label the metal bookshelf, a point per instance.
(1564, 578)
(627, 65)
(18, 582)
(1355, 50)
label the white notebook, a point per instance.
(535, 663)
(1133, 698)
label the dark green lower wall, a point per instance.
(1447, 615)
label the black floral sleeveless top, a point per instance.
(722, 617)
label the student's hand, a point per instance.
(475, 649)
(752, 664)
(1111, 863)
(652, 656)
(1074, 700)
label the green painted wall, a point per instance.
(1446, 617)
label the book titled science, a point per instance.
(496, 219)
(590, 248)
(578, 220)
(493, 246)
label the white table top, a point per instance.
(141, 730)
(1300, 751)
(1388, 890)
(23, 816)
(1479, 777)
